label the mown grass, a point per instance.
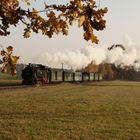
(100, 111)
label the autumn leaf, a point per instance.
(9, 49)
(8, 60)
(81, 21)
(27, 33)
(14, 59)
(1, 62)
(5, 59)
(3, 52)
(13, 70)
(86, 36)
(28, 2)
(94, 39)
(4, 67)
(51, 14)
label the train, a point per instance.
(34, 74)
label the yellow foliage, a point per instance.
(8, 60)
(57, 19)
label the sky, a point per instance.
(122, 19)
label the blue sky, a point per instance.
(122, 18)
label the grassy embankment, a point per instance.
(101, 111)
(8, 80)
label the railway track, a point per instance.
(26, 86)
(15, 87)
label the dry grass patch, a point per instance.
(105, 110)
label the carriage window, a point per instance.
(55, 75)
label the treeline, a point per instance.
(112, 72)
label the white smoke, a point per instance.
(97, 55)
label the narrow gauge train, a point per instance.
(40, 74)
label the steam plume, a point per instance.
(97, 55)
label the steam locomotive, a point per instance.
(34, 74)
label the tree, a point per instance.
(92, 68)
(57, 20)
(109, 72)
(102, 69)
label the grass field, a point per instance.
(91, 111)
